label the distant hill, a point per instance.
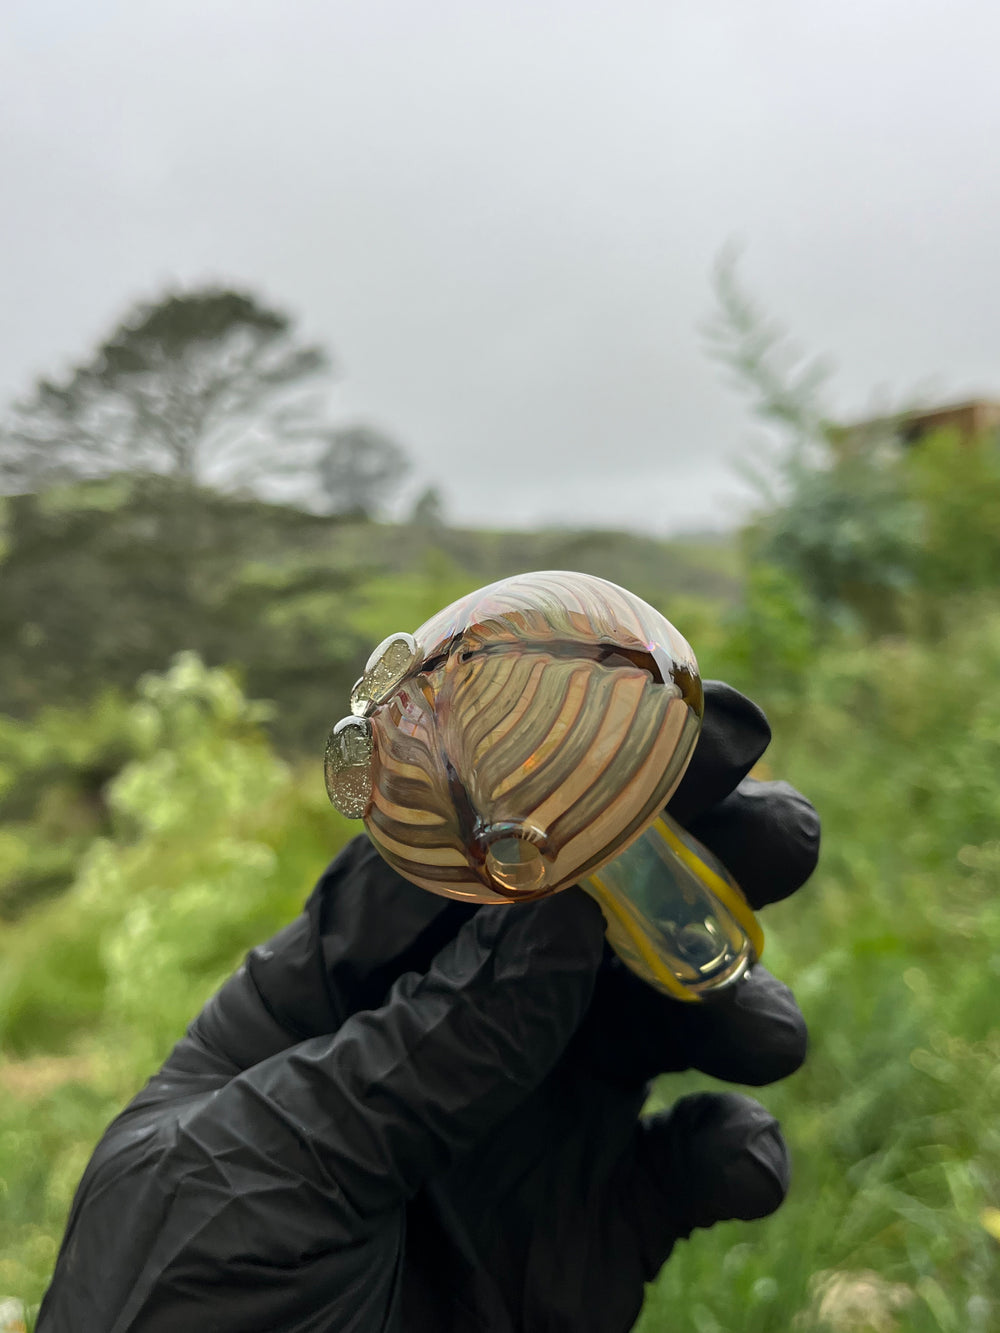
(102, 581)
(648, 566)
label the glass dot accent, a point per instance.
(389, 665)
(348, 766)
(516, 865)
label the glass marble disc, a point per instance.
(348, 766)
(389, 665)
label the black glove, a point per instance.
(405, 1113)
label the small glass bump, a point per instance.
(515, 866)
(348, 766)
(389, 665)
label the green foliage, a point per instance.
(153, 831)
(103, 581)
(428, 509)
(878, 529)
(201, 384)
(770, 640)
(359, 469)
(52, 803)
(848, 532)
(955, 482)
(213, 844)
(836, 513)
(894, 954)
(786, 386)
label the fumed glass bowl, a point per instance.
(528, 737)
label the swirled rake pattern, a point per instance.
(555, 707)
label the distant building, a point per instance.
(971, 420)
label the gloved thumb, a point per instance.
(712, 1157)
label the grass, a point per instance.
(893, 950)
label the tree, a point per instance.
(359, 469)
(206, 385)
(836, 510)
(100, 582)
(428, 509)
(956, 482)
(786, 386)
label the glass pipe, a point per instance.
(528, 737)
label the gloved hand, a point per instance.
(405, 1113)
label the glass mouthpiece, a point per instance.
(675, 915)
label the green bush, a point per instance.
(53, 771)
(214, 843)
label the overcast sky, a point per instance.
(502, 215)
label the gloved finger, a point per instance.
(767, 836)
(753, 1033)
(734, 735)
(712, 1157)
(398, 1093)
